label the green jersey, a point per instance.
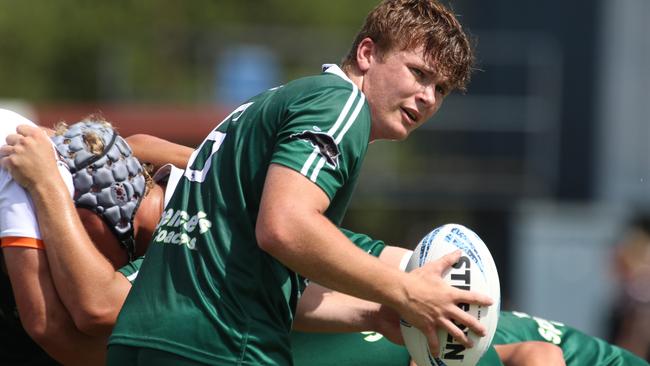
(343, 349)
(369, 348)
(353, 349)
(579, 348)
(369, 245)
(206, 291)
(366, 243)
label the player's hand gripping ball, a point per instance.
(474, 271)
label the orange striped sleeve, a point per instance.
(23, 242)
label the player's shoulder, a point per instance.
(332, 82)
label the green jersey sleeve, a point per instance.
(366, 243)
(325, 134)
(131, 269)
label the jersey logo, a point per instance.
(325, 144)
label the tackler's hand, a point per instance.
(387, 324)
(29, 156)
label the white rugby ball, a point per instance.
(474, 271)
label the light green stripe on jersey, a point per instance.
(335, 130)
(206, 291)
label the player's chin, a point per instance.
(393, 131)
(396, 136)
(401, 132)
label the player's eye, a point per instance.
(417, 72)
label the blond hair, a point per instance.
(96, 145)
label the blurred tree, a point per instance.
(162, 50)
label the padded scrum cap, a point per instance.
(111, 183)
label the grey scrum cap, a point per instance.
(111, 183)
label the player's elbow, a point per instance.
(551, 353)
(530, 353)
(95, 320)
(275, 237)
(548, 352)
(38, 327)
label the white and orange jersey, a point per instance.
(18, 224)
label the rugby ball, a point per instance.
(474, 271)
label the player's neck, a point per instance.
(355, 75)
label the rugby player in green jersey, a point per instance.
(262, 196)
(520, 340)
(578, 348)
(365, 348)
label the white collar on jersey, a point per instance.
(336, 70)
(173, 175)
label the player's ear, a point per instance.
(365, 54)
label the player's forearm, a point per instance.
(157, 151)
(530, 353)
(83, 277)
(43, 315)
(323, 310)
(310, 244)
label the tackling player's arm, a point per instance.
(41, 312)
(530, 353)
(292, 227)
(87, 283)
(158, 151)
(323, 310)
